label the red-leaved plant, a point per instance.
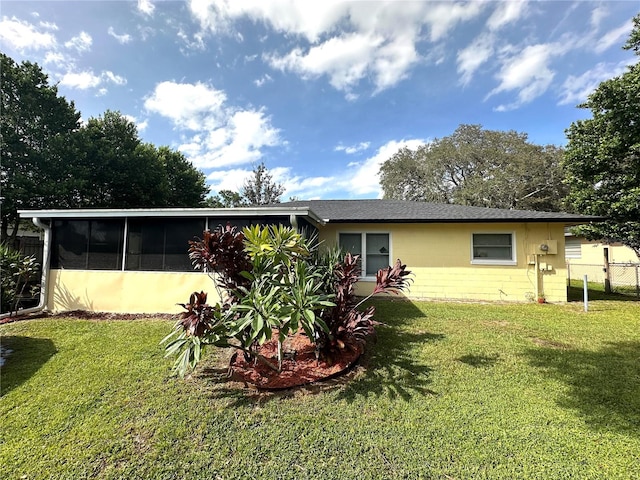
(349, 327)
(198, 315)
(222, 252)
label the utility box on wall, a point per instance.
(545, 247)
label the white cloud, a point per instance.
(81, 42)
(361, 178)
(112, 77)
(55, 58)
(443, 17)
(24, 36)
(528, 72)
(348, 42)
(614, 37)
(189, 106)
(473, 56)
(218, 135)
(505, 13)
(262, 80)
(81, 80)
(364, 179)
(122, 39)
(146, 7)
(49, 25)
(344, 59)
(597, 14)
(232, 179)
(351, 149)
(140, 125)
(576, 89)
(88, 79)
(197, 43)
(482, 49)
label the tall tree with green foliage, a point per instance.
(260, 189)
(478, 167)
(226, 199)
(602, 159)
(36, 143)
(50, 161)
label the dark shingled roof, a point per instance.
(400, 211)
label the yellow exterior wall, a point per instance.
(439, 255)
(124, 292)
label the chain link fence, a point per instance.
(624, 278)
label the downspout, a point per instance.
(46, 260)
(293, 219)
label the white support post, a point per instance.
(586, 294)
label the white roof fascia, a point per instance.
(170, 212)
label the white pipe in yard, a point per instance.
(46, 260)
(585, 294)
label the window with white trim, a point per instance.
(376, 248)
(493, 248)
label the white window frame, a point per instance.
(363, 248)
(496, 261)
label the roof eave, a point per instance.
(170, 212)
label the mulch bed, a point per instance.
(84, 314)
(299, 367)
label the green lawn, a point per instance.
(450, 391)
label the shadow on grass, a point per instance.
(604, 385)
(390, 367)
(480, 361)
(575, 293)
(23, 358)
(393, 367)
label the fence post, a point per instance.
(638, 281)
(585, 290)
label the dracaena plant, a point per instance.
(222, 253)
(276, 290)
(347, 326)
(199, 325)
(286, 292)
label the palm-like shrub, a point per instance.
(272, 279)
(17, 273)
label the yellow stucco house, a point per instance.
(135, 260)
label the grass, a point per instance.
(450, 391)
(595, 291)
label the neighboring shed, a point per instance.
(135, 260)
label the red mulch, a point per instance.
(299, 367)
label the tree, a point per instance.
(226, 199)
(119, 171)
(260, 189)
(36, 142)
(602, 159)
(185, 185)
(478, 167)
(50, 161)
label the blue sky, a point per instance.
(321, 92)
